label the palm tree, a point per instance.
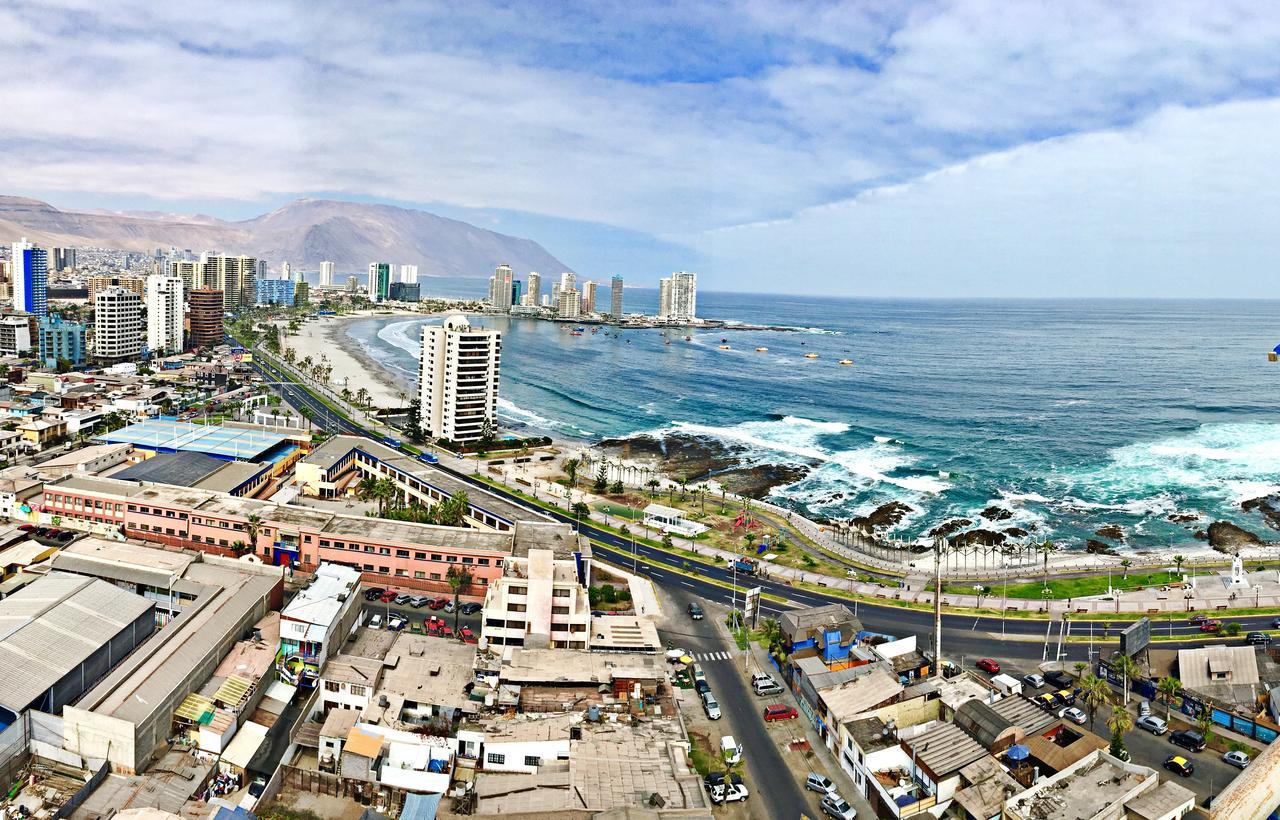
(571, 466)
(1096, 694)
(1126, 563)
(1047, 547)
(1128, 669)
(459, 578)
(749, 538)
(384, 490)
(364, 490)
(1119, 722)
(251, 525)
(1079, 666)
(1169, 688)
(1178, 561)
(1205, 724)
(653, 485)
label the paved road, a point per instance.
(1211, 774)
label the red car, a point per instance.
(388, 596)
(437, 603)
(467, 635)
(446, 631)
(433, 625)
(780, 711)
(989, 665)
(1211, 626)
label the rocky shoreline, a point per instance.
(694, 459)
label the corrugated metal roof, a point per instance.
(232, 691)
(51, 626)
(195, 709)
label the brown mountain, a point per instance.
(304, 233)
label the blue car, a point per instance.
(392, 442)
(428, 459)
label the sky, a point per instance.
(875, 148)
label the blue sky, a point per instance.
(968, 148)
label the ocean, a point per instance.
(1069, 414)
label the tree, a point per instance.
(602, 480)
(364, 489)
(362, 397)
(653, 485)
(1232, 628)
(1168, 688)
(459, 578)
(1096, 694)
(1119, 722)
(346, 394)
(1080, 666)
(251, 525)
(239, 547)
(413, 419)
(384, 490)
(488, 433)
(1178, 561)
(1126, 563)
(581, 510)
(1205, 723)
(749, 538)
(616, 488)
(667, 541)
(571, 466)
(452, 512)
(1128, 669)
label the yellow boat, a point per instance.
(762, 350)
(846, 361)
(811, 355)
(724, 347)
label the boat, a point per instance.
(811, 355)
(846, 361)
(576, 333)
(724, 341)
(724, 347)
(688, 338)
(762, 350)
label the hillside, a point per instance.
(304, 233)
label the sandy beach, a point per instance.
(326, 339)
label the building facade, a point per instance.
(539, 602)
(233, 275)
(327, 270)
(405, 292)
(533, 292)
(615, 297)
(15, 335)
(379, 281)
(458, 379)
(409, 274)
(205, 315)
(164, 315)
(188, 270)
(275, 292)
(500, 288)
(117, 325)
(29, 273)
(587, 304)
(678, 297)
(568, 303)
(100, 282)
(60, 340)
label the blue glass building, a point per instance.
(275, 292)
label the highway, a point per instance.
(964, 636)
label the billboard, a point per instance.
(1135, 637)
(751, 611)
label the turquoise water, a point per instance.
(1070, 414)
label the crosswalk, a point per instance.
(711, 656)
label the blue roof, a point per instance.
(420, 806)
(221, 442)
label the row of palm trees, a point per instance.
(451, 512)
(1097, 695)
(319, 370)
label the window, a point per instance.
(387, 551)
(532, 760)
(519, 590)
(516, 608)
(496, 759)
(402, 553)
(466, 559)
(367, 548)
(560, 593)
(384, 570)
(435, 576)
(559, 610)
(484, 562)
(331, 686)
(452, 559)
(400, 573)
(419, 556)
(357, 689)
(419, 574)
(435, 556)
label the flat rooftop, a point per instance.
(123, 561)
(568, 667)
(424, 671)
(223, 442)
(318, 602)
(1081, 793)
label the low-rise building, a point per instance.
(91, 460)
(669, 519)
(540, 601)
(317, 621)
(1101, 786)
(41, 432)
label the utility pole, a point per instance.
(938, 545)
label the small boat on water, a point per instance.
(688, 338)
(846, 361)
(724, 347)
(762, 350)
(576, 333)
(811, 355)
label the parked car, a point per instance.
(1257, 638)
(418, 601)
(695, 611)
(780, 711)
(1059, 680)
(449, 607)
(427, 458)
(1188, 739)
(700, 685)
(467, 635)
(1237, 759)
(710, 706)
(1211, 626)
(1179, 765)
(833, 805)
(1048, 701)
(438, 603)
(1275, 623)
(388, 596)
(1074, 714)
(730, 750)
(819, 783)
(403, 599)
(722, 790)
(1199, 618)
(1066, 697)
(1034, 680)
(375, 622)
(1152, 724)
(470, 608)
(433, 625)
(446, 631)
(397, 622)
(763, 684)
(1144, 708)
(373, 593)
(989, 665)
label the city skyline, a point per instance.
(960, 149)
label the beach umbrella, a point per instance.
(1018, 752)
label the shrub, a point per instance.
(608, 594)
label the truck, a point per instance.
(746, 565)
(1007, 684)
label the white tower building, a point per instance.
(458, 379)
(164, 314)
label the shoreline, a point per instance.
(353, 367)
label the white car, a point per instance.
(710, 706)
(729, 793)
(833, 805)
(730, 750)
(1153, 724)
(1035, 680)
(375, 622)
(1074, 715)
(820, 784)
(1237, 759)
(763, 684)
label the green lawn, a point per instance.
(1063, 588)
(619, 511)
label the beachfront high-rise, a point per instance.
(678, 298)
(568, 304)
(615, 297)
(117, 325)
(164, 314)
(587, 304)
(188, 270)
(533, 290)
(500, 288)
(30, 276)
(458, 379)
(409, 274)
(233, 275)
(379, 281)
(326, 273)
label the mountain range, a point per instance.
(303, 233)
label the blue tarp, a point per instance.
(421, 807)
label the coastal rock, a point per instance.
(983, 538)
(886, 515)
(947, 528)
(1113, 531)
(756, 482)
(1227, 537)
(1182, 518)
(1268, 506)
(1095, 547)
(1015, 532)
(693, 458)
(996, 513)
(1200, 535)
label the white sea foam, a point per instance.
(405, 335)
(883, 439)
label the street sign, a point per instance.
(751, 611)
(1135, 638)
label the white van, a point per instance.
(1007, 684)
(375, 622)
(730, 750)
